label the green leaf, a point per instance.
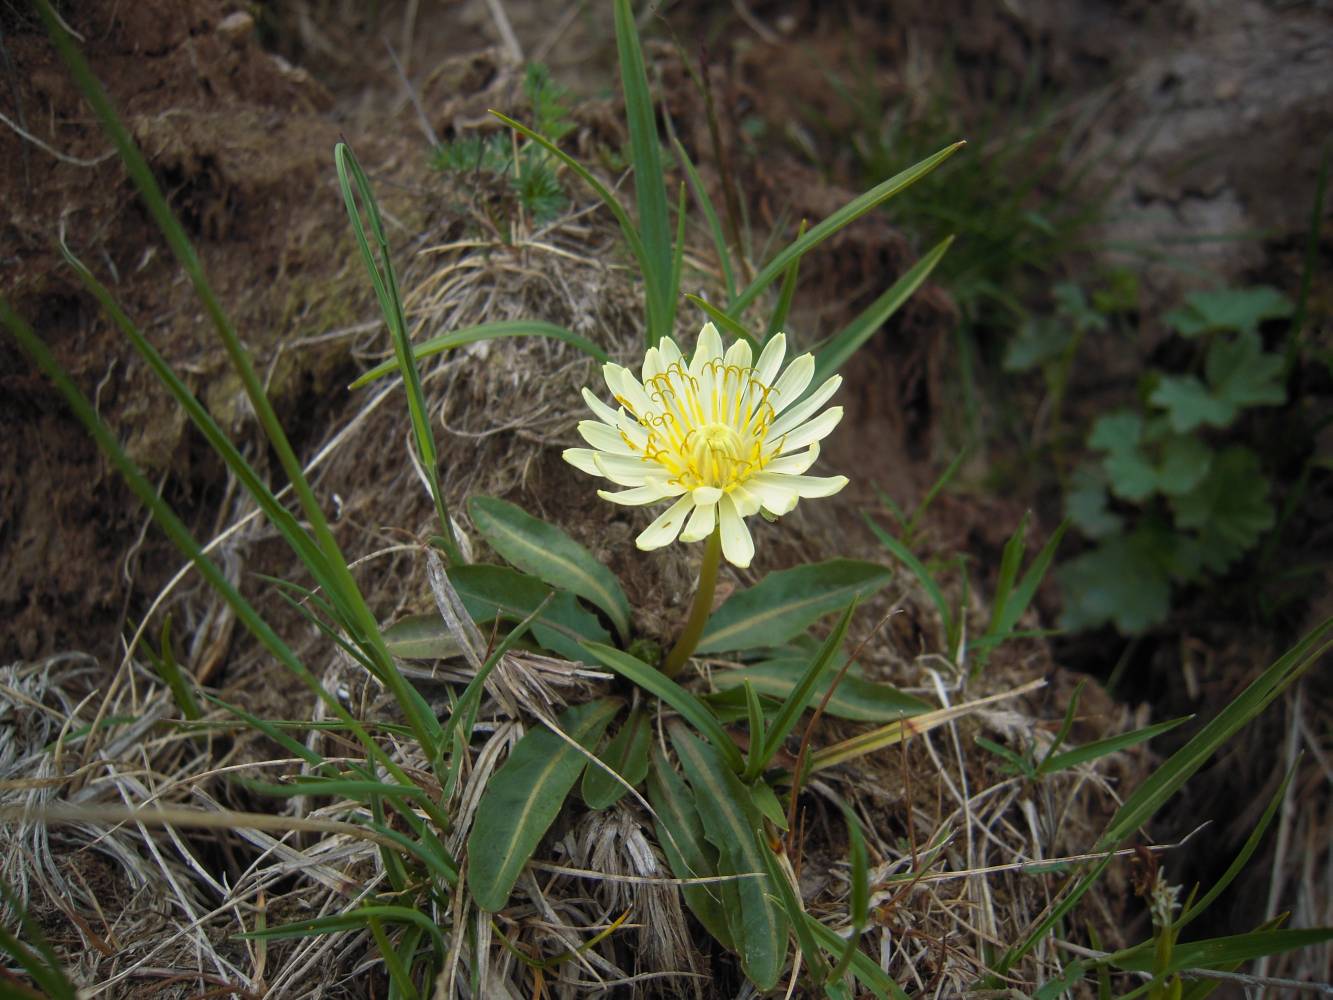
(795, 703)
(649, 186)
(627, 755)
(1240, 309)
(1120, 582)
(524, 796)
(657, 683)
(1219, 951)
(728, 323)
(777, 322)
(924, 577)
(490, 592)
(844, 216)
(705, 204)
(546, 552)
(421, 637)
(786, 603)
(1118, 431)
(688, 853)
(730, 821)
(845, 343)
(854, 697)
(1189, 404)
(1242, 373)
(1112, 744)
(1086, 504)
(795, 910)
(485, 331)
(865, 968)
(1230, 507)
(1038, 341)
(355, 919)
(1185, 461)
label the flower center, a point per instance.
(716, 454)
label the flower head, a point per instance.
(725, 435)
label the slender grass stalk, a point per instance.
(699, 609)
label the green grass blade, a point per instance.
(725, 321)
(180, 535)
(859, 876)
(923, 575)
(627, 756)
(1101, 748)
(400, 979)
(485, 331)
(356, 919)
(730, 822)
(795, 910)
(1163, 783)
(784, 604)
(170, 671)
(42, 965)
(870, 975)
(649, 180)
(391, 304)
(660, 685)
(756, 731)
(705, 204)
(546, 552)
(627, 227)
(142, 176)
(795, 703)
(1242, 858)
(1167, 779)
(524, 796)
(844, 216)
(777, 322)
(281, 518)
(688, 853)
(834, 354)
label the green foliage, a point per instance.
(1169, 502)
(532, 176)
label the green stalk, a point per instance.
(700, 609)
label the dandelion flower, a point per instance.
(722, 434)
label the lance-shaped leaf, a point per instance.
(730, 820)
(546, 552)
(523, 798)
(688, 853)
(854, 697)
(627, 755)
(490, 592)
(786, 603)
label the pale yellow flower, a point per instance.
(723, 434)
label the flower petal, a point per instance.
(770, 359)
(700, 524)
(604, 438)
(709, 348)
(664, 530)
(737, 545)
(706, 496)
(652, 364)
(792, 382)
(805, 408)
(794, 464)
(747, 504)
(640, 495)
(583, 459)
(809, 433)
(806, 487)
(670, 352)
(627, 470)
(777, 497)
(738, 354)
(603, 412)
(626, 388)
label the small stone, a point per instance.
(236, 26)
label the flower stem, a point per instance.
(699, 609)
